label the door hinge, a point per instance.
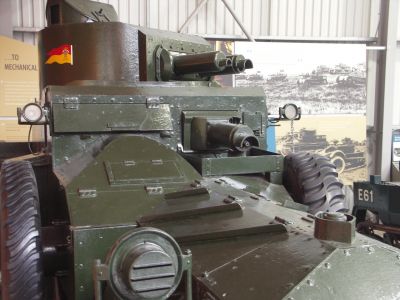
(153, 102)
(71, 103)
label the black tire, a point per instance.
(312, 180)
(21, 253)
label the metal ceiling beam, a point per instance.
(192, 15)
(248, 35)
(370, 41)
(231, 11)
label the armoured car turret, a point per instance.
(156, 183)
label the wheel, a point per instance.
(21, 254)
(312, 179)
(339, 163)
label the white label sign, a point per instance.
(365, 195)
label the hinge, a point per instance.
(101, 272)
(129, 163)
(153, 102)
(154, 190)
(87, 193)
(71, 103)
(157, 161)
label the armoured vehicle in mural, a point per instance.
(312, 80)
(344, 155)
(322, 69)
(341, 69)
(157, 185)
(303, 140)
(277, 77)
(351, 80)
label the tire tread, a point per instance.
(312, 180)
(21, 259)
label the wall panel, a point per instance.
(262, 18)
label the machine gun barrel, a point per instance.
(200, 63)
(235, 64)
(239, 64)
(205, 64)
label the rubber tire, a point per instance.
(20, 227)
(341, 163)
(311, 179)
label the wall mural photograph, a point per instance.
(328, 82)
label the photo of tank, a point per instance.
(340, 69)
(278, 77)
(345, 154)
(315, 93)
(303, 140)
(351, 80)
(328, 83)
(307, 80)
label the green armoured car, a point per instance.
(156, 183)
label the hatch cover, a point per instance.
(141, 172)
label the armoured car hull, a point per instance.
(158, 185)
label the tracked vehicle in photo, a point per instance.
(344, 155)
(156, 183)
(307, 81)
(277, 77)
